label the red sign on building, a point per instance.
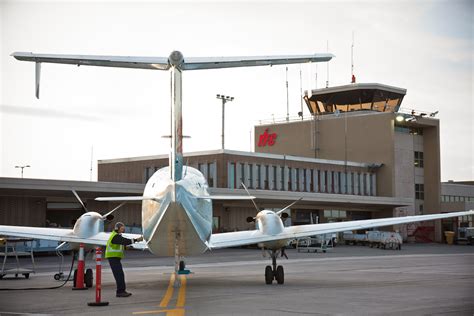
(267, 139)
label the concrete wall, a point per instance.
(368, 138)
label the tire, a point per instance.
(182, 265)
(280, 275)
(26, 275)
(89, 278)
(268, 275)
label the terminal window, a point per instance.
(419, 159)
(419, 191)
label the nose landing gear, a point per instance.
(275, 272)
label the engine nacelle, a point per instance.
(89, 224)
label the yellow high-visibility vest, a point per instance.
(114, 250)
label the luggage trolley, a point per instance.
(322, 243)
(10, 246)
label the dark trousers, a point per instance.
(116, 266)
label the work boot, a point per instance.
(124, 294)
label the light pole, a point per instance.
(22, 167)
(224, 99)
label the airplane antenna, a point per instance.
(353, 78)
(287, 98)
(327, 76)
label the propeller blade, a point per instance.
(287, 207)
(255, 204)
(80, 201)
(109, 213)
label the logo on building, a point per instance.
(267, 139)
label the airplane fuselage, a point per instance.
(180, 221)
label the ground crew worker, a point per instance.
(114, 252)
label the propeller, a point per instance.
(108, 216)
(287, 207)
(246, 190)
(80, 201)
(283, 215)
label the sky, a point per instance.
(87, 114)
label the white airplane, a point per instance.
(176, 205)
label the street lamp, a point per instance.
(22, 167)
(224, 99)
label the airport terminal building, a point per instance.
(355, 157)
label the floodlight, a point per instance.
(400, 118)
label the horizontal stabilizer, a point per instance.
(195, 63)
(226, 197)
(126, 199)
(156, 63)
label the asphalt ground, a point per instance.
(420, 279)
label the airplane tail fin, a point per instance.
(176, 155)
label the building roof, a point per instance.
(250, 154)
(59, 188)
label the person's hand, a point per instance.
(139, 239)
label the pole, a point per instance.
(287, 98)
(345, 150)
(80, 270)
(223, 116)
(98, 279)
(224, 99)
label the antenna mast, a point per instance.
(301, 93)
(327, 77)
(92, 156)
(353, 78)
(316, 77)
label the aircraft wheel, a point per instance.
(280, 275)
(268, 275)
(182, 265)
(26, 275)
(89, 278)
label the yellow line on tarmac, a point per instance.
(169, 292)
(179, 311)
(182, 292)
(169, 312)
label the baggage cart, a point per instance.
(10, 246)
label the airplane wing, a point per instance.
(193, 63)
(226, 197)
(60, 235)
(126, 198)
(242, 238)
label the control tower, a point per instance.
(362, 122)
(355, 97)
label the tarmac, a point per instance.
(420, 279)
